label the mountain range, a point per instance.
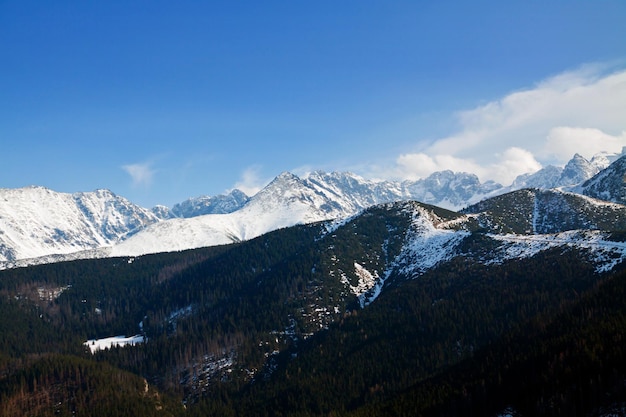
(38, 225)
(323, 295)
(513, 306)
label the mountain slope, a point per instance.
(35, 221)
(533, 211)
(312, 319)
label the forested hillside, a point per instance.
(405, 309)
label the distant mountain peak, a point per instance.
(577, 170)
(219, 204)
(286, 176)
(609, 184)
(38, 221)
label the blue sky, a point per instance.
(160, 101)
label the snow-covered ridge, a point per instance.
(36, 221)
(431, 241)
(428, 243)
(38, 224)
(604, 253)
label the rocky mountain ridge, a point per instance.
(36, 221)
(39, 223)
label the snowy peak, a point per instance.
(295, 200)
(603, 159)
(609, 184)
(114, 217)
(448, 189)
(577, 170)
(546, 178)
(220, 204)
(351, 191)
(162, 212)
(37, 221)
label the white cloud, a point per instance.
(251, 181)
(506, 167)
(564, 141)
(511, 163)
(577, 111)
(141, 173)
(418, 165)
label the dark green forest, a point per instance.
(266, 327)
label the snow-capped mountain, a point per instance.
(449, 190)
(609, 184)
(219, 204)
(547, 177)
(36, 221)
(286, 201)
(576, 171)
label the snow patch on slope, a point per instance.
(605, 254)
(367, 281)
(427, 244)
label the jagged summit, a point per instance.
(449, 189)
(577, 170)
(573, 174)
(609, 184)
(219, 204)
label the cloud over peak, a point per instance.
(250, 181)
(579, 111)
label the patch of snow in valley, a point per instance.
(95, 345)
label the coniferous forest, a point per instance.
(268, 327)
